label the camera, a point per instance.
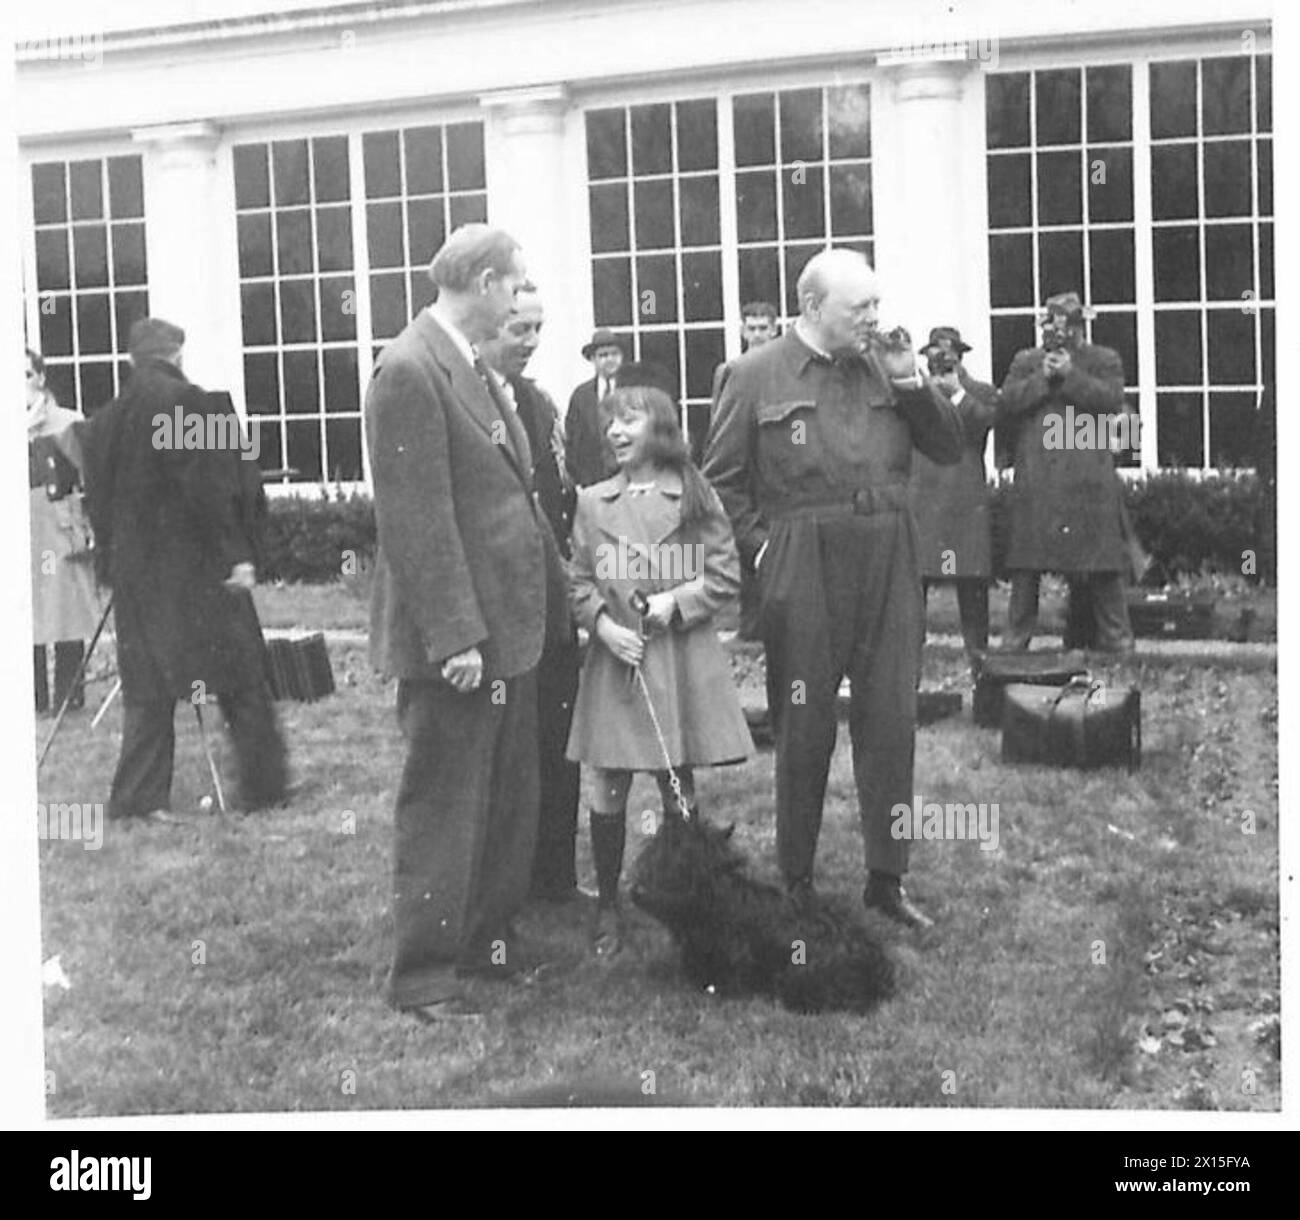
(1053, 339)
(941, 360)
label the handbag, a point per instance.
(1084, 723)
(998, 670)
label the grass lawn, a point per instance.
(344, 605)
(1119, 949)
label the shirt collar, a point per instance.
(801, 329)
(619, 483)
(454, 333)
(802, 350)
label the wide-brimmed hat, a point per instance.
(607, 338)
(946, 337)
(1066, 303)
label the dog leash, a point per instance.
(640, 605)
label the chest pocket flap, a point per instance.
(776, 412)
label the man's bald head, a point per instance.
(839, 298)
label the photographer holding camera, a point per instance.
(951, 503)
(1067, 506)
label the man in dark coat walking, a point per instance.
(589, 455)
(951, 503)
(1066, 505)
(465, 575)
(172, 511)
(554, 876)
(811, 456)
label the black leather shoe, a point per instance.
(886, 895)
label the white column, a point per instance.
(535, 180)
(928, 174)
(193, 276)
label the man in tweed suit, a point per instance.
(465, 571)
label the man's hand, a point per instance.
(662, 608)
(1057, 363)
(624, 643)
(242, 576)
(899, 363)
(464, 671)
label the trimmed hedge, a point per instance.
(315, 540)
(1189, 525)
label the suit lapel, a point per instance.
(473, 396)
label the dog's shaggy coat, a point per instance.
(743, 937)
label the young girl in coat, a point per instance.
(653, 562)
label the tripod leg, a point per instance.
(212, 765)
(75, 684)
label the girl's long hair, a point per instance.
(665, 444)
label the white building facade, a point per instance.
(277, 185)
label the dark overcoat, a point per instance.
(465, 556)
(591, 458)
(951, 503)
(685, 669)
(170, 522)
(555, 490)
(1066, 511)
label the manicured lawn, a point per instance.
(1119, 949)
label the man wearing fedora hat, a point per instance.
(951, 503)
(1067, 505)
(590, 457)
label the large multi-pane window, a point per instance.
(803, 181)
(91, 278)
(421, 183)
(298, 294)
(1062, 203)
(1212, 248)
(1061, 207)
(656, 239)
(794, 176)
(328, 272)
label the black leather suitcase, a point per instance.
(997, 670)
(1171, 616)
(1084, 723)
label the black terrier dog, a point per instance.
(742, 937)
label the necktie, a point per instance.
(515, 430)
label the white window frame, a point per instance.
(354, 128)
(67, 154)
(627, 95)
(1197, 48)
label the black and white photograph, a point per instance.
(607, 556)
